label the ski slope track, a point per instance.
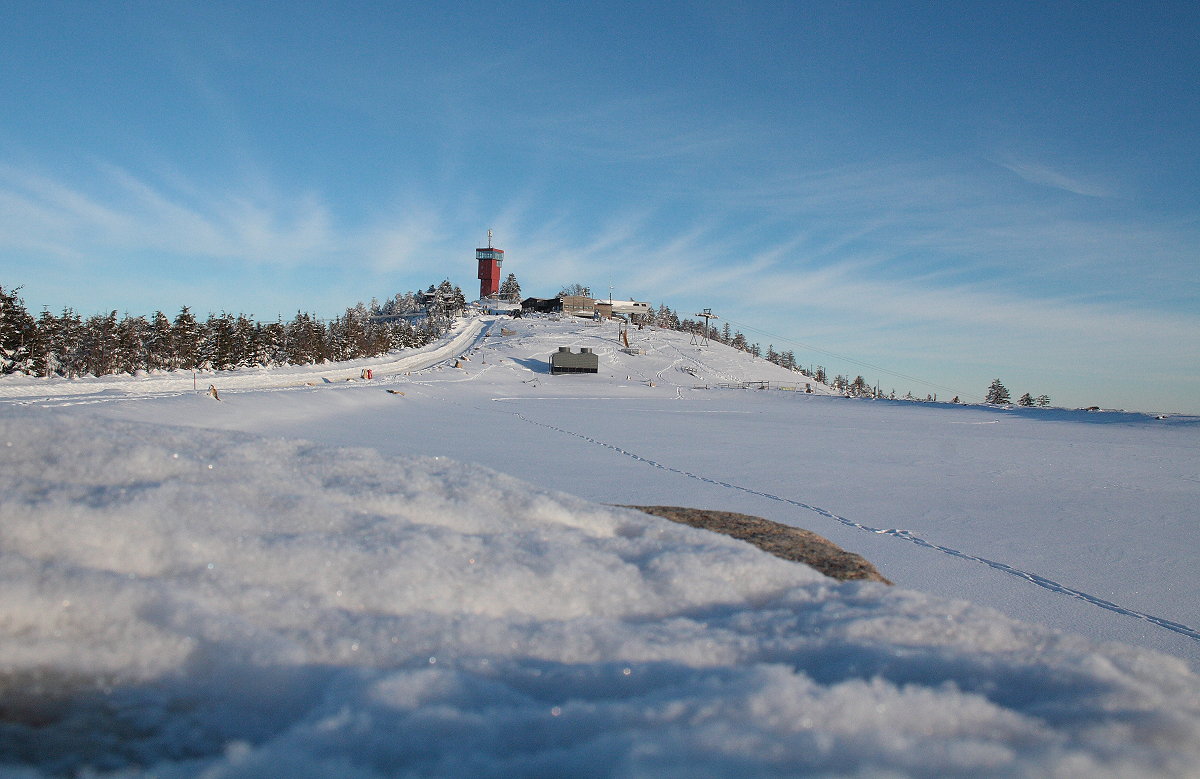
(106, 389)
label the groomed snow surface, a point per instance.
(191, 587)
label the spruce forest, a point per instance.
(70, 345)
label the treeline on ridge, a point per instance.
(71, 345)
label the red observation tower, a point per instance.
(489, 269)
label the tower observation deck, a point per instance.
(489, 268)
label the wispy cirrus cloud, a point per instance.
(1046, 176)
(122, 212)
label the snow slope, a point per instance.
(327, 580)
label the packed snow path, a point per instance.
(104, 389)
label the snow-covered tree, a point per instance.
(305, 340)
(217, 347)
(18, 334)
(132, 334)
(159, 354)
(185, 340)
(269, 344)
(98, 344)
(510, 290)
(575, 290)
(997, 394)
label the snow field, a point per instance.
(187, 602)
(327, 580)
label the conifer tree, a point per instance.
(510, 290)
(159, 354)
(18, 334)
(575, 290)
(997, 394)
(98, 344)
(131, 337)
(185, 340)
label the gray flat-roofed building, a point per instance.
(566, 361)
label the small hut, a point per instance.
(567, 361)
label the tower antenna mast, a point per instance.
(707, 314)
(489, 260)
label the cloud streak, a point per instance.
(1046, 176)
(127, 213)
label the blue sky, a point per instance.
(948, 191)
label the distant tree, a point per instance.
(575, 290)
(664, 317)
(62, 341)
(18, 333)
(445, 301)
(270, 343)
(185, 340)
(997, 394)
(305, 340)
(48, 358)
(132, 335)
(158, 343)
(1025, 400)
(510, 290)
(217, 349)
(98, 345)
(458, 300)
(400, 304)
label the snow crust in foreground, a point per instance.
(190, 602)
